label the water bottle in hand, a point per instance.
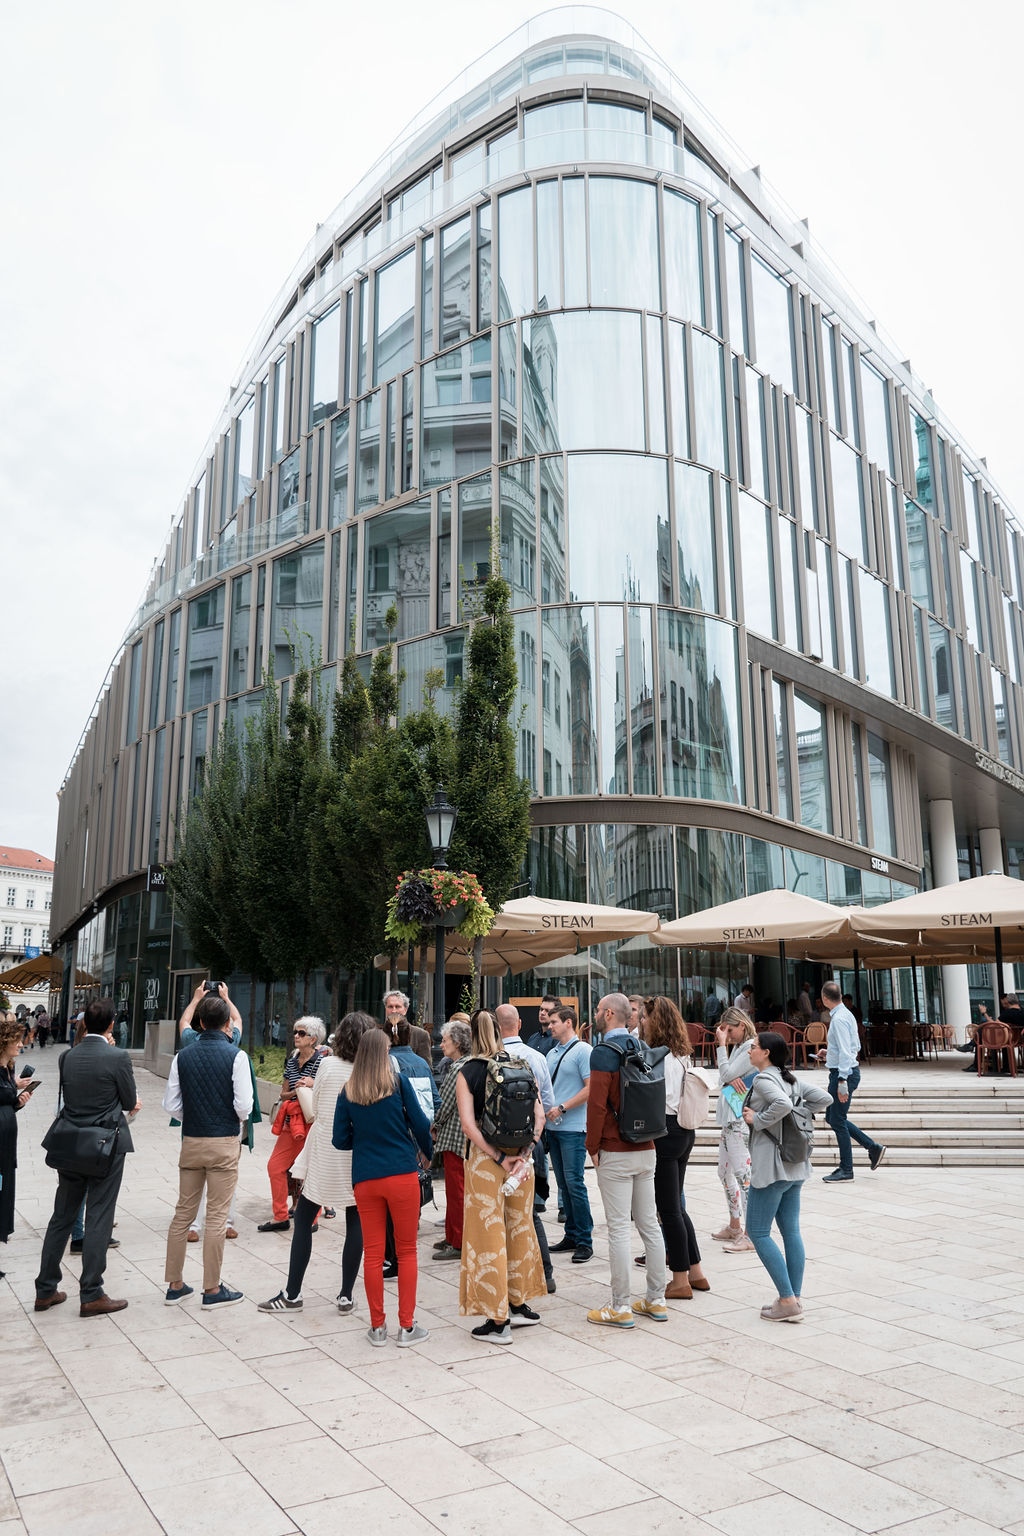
(516, 1177)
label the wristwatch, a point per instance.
(561, 1109)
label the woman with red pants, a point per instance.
(378, 1117)
(450, 1138)
(290, 1125)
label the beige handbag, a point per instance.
(305, 1098)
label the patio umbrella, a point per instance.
(583, 923)
(40, 971)
(502, 952)
(571, 965)
(983, 917)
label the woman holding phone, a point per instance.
(15, 1093)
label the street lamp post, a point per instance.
(441, 818)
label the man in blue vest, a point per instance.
(210, 1091)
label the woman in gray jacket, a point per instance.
(733, 1037)
(774, 1184)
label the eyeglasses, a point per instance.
(301, 1034)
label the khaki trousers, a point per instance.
(210, 1163)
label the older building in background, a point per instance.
(767, 602)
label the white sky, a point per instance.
(164, 165)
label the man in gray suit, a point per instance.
(99, 1086)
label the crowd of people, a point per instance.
(364, 1117)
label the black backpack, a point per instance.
(641, 1090)
(510, 1098)
(794, 1133)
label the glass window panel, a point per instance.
(967, 575)
(851, 425)
(390, 433)
(942, 673)
(965, 698)
(641, 701)
(200, 728)
(508, 393)
(549, 264)
(154, 675)
(892, 506)
(394, 341)
(612, 713)
(921, 444)
(805, 872)
(875, 398)
(575, 243)
(848, 582)
(173, 658)
(773, 323)
(368, 479)
(568, 637)
(848, 506)
(616, 133)
(783, 761)
(584, 381)
(440, 654)
(827, 604)
(202, 659)
(515, 253)
(684, 281)
(680, 407)
(874, 614)
(334, 611)
(444, 559)
(238, 655)
(278, 408)
(427, 297)
(456, 426)
(737, 293)
(244, 429)
(812, 765)
(709, 869)
(695, 538)
(624, 243)
(296, 616)
(790, 629)
(858, 783)
(710, 444)
(764, 866)
(517, 511)
(1002, 705)
(758, 567)
(524, 709)
(455, 282)
(612, 556)
(655, 387)
(553, 133)
(552, 530)
(339, 471)
(134, 688)
(804, 444)
(397, 546)
(882, 822)
(483, 266)
(916, 523)
(701, 740)
(474, 543)
(323, 398)
(758, 433)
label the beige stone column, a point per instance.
(956, 999)
(991, 841)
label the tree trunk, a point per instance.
(478, 967)
(305, 991)
(292, 999)
(393, 973)
(350, 993)
(335, 975)
(421, 986)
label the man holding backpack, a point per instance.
(625, 1110)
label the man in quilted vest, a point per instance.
(210, 1091)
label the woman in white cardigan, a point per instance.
(328, 1175)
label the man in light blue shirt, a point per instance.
(569, 1063)
(843, 1082)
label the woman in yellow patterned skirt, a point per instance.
(501, 1264)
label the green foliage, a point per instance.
(425, 897)
(204, 875)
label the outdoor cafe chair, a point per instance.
(991, 1039)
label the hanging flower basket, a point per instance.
(429, 898)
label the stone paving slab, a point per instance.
(897, 1406)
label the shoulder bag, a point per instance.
(84, 1149)
(694, 1100)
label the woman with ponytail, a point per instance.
(774, 1194)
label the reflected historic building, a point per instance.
(767, 604)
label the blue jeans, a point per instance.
(837, 1116)
(78, 1230)
(778, 1202)
(568, 1153)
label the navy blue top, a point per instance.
(380, 1136)
(412, 1065)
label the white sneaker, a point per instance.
(345, 1304)
(414, 1335)
(378, 1337)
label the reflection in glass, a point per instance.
(428, 346)
(339, 470)
(773, 324)
(244, 428)
(844, 884)
(483, 265)
(173, 661)
(882, 823)
(524, 710)
(765, 870)
(288, 494)
(624, 243)
(368, 489)
(555, 672)
(615, 133)
(641, 701)
(456, 412)
(702, 745)
(916, 523)
(805, 873)
(758, 432)
(578, 637)
(549, 265)
(618, 527)
(655, 387)
(737, 285)
(518, 522)
(154, 674)
(474, 543)
(296, 617)
(783, 760)
(684, 282)
(202, 659)
(515, 253)
(393, 339)
(709, 868)
(441, 654)
(574, 220)
(710, 445)
(695, 537)
(552, 529)
(397, 555)
(553, 133)
(444, 559)
(238, 655)
(323, 397)
(874, 613)
(812, 764)
(856, 751)
(875, 396)
(758, 566)
(583, 381)
(677, 381)
(612, 709)
(847, 502)
(455, 284)
(556, 862)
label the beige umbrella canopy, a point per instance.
(582, 922)
(502, 952)
(40, 971)
(976, 915)
(754, 924)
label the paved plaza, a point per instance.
(898, 1405)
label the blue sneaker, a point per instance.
(179, 1293)
(223, 1297)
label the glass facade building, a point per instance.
(768, 605)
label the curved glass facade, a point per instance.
(762, 592)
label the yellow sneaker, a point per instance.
(613, 1317)
(656, 1310)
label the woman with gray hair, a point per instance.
(290, 1125)
(450, 1138)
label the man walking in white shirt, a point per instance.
(843, 1081)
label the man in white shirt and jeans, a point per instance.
(843, 1082)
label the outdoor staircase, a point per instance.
(953, 1124)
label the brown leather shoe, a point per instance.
(44, 1303)
(101, 1306)
(193, 1236)
(230, 1232)
(679, 1290)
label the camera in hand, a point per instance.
(211, 986)
(27, 1070)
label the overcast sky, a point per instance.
(165, 164)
